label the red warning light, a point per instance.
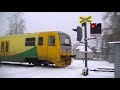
(93, 26)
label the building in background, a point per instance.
(80, 53)
(98, 54)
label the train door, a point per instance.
(52, 46)
(42, 46)
(4, 48)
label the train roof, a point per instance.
(33, 33)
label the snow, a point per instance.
(72, 71)
(82, 49)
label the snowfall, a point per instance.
(72, 71)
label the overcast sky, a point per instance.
(52, 21)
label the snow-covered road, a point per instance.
(72, 71)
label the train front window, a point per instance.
(64, 40)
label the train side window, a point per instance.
(30, 41)
(2, 47)
(6, 46)
(51, 40)
(40, 41)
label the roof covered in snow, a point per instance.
(114, 42)
(82, 49)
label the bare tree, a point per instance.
(95, 46)
(111, 31)
(16, 23)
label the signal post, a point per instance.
(94, 29)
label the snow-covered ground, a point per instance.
(72, 71)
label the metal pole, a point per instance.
(102, 47)
(85, 44)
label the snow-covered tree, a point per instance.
(16, 23)
(111, 30)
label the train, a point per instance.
(40, 48)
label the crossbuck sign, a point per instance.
(87, 19)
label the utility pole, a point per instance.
(102, 47)
(85, 71)
(85, 39)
